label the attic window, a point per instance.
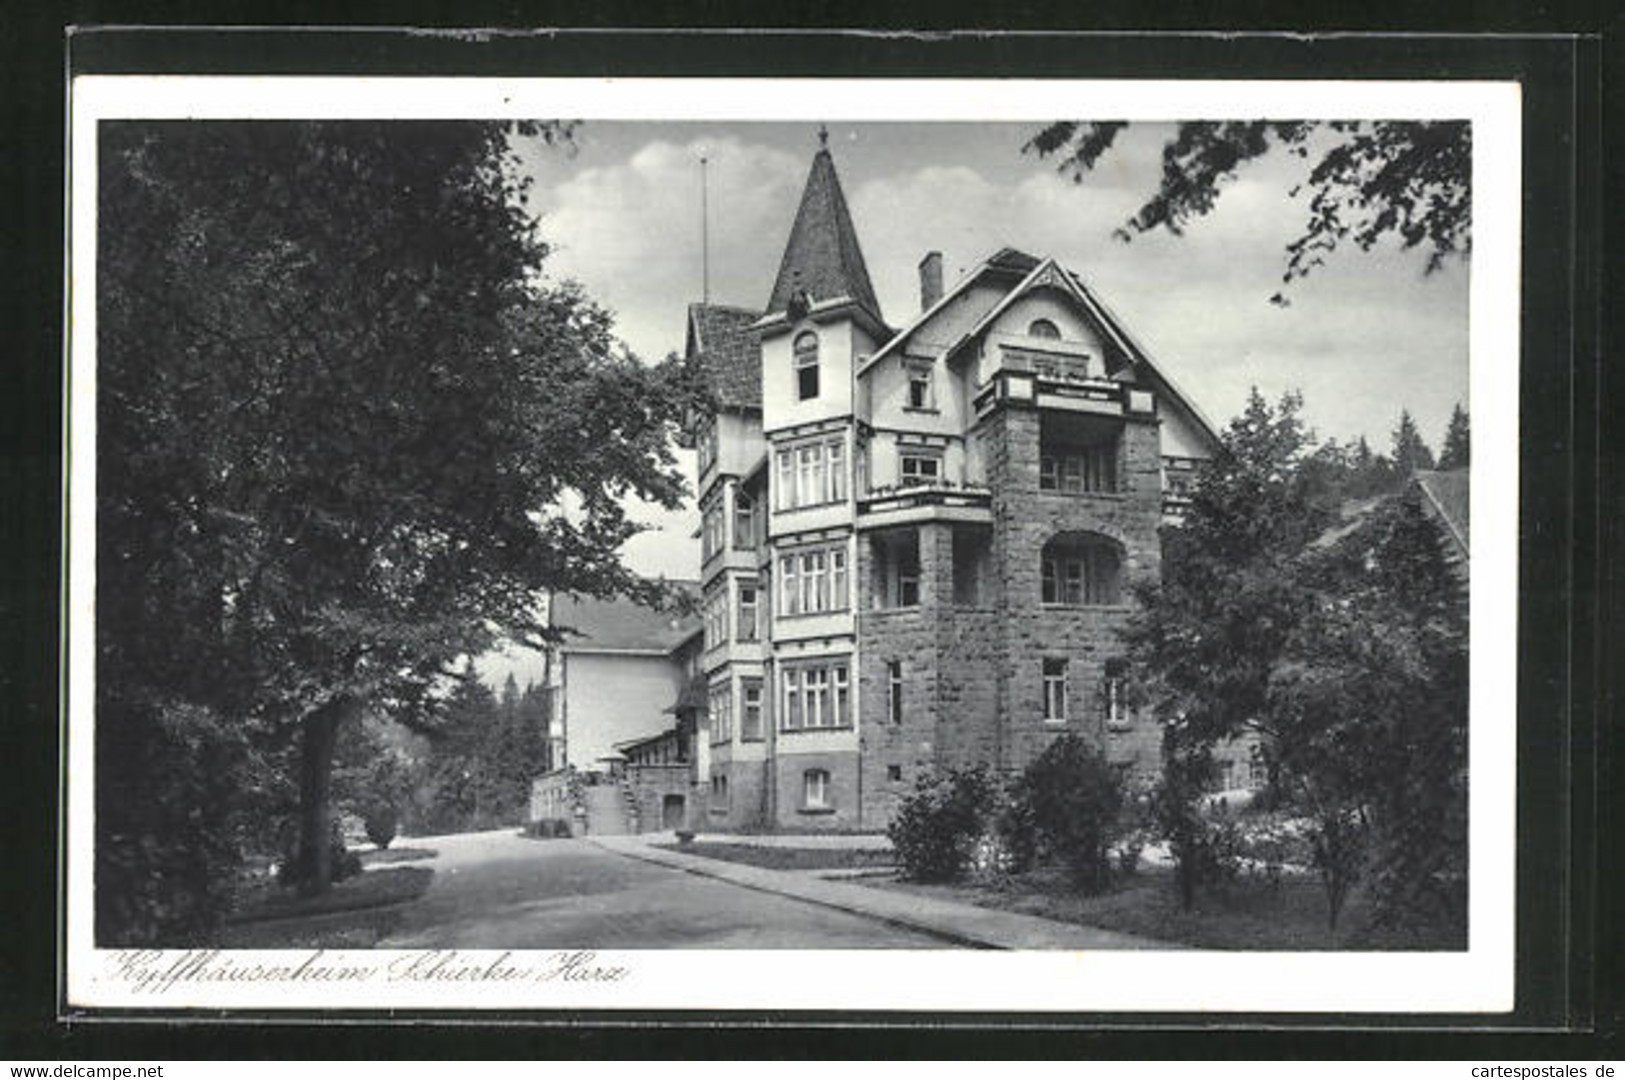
(806, 353)
(1043, 328)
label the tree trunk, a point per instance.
(318, 736)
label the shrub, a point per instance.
(180, 796)
(381, 821)
(939, 824)
(1206, 848)
(1074, 800)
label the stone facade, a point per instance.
(989, 481)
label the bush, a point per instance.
(1206, 848)
(939, 824)
(1074, 801)
(180, 796)
(381, 821)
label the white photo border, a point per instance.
(1477, 981)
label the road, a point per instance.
(497, 890)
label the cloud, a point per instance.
(630, 231)
(1365, 335)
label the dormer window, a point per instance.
(1043, 328)
(806, 359)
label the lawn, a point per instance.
(355, 913)
(783, 858)
(1251, 914)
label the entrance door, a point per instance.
(671, 812)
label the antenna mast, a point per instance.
(705, 238)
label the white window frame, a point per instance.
(1055, 689)
(921, 374)
(806, 359)
(894, 691)
(916, 458)
(815, 790)
(748, 629)
(816, 696)
(744, 522)
(747, 688)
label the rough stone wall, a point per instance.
(844, 785)
(650, 784)
(1025, 519)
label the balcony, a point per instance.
(915, 501)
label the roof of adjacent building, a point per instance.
(1447, 496)
(822, 255)
(621, 626)
(729, 352)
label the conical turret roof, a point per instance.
(822, 255)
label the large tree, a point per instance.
(347, 434)
(1408, 180)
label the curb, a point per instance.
(952, 936)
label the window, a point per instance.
(921, 469)
(908, 584)
(812, 474)
(1078, 470)
(747, 612)
(750, 721)
(719, 793)
(815, 789)
(920, 390)
(1043, 328)
(720, 713)
(744, 521)
(706, 447)
(1054, 689)
(806, 352)
(813, 581)
(711, 525)
(894, 773)
(816, 696)
(716, 619)
(1114, 702)
(894, 691)
(1081, 571)
(787, 480)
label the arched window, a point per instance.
(815, 789)
(1082, 569)
(1043, 328)
(806, 353)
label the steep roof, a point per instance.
(1447, 497)
(619, 625)
(729, 352)
(822, 255)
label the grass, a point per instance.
(396, 855)
(1250, 914)
(783, 858)
(368, 890)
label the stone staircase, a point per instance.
(606, 811)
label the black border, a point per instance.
(1563, 979)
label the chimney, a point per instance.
(930, 279)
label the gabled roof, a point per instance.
(1036, 272)
(621, 626)
(1447, 497)
(729, 352)
(822, 255)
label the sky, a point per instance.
(1365, 335)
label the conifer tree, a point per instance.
(1457, 451)
(1411, 453)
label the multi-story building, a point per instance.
(919, 543)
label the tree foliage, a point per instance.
(1367, 180)
(1456, 452)
(1073, 798)
(1297, 605)
(346, 433)
(1411, 452)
